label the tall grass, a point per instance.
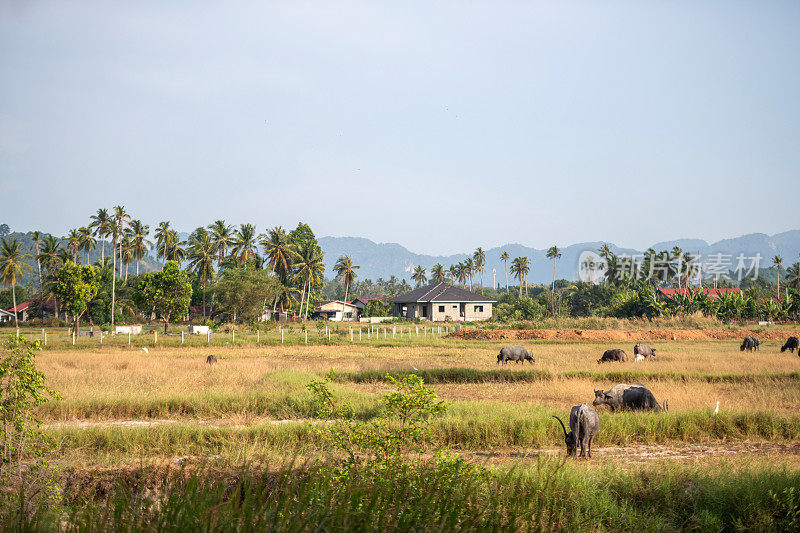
(433, 496)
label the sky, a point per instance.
(441, 126)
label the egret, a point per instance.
(716, 409)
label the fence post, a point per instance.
(155, 337)
(329, 334)
(394, 329)
(129, 338)
(45, 337)
(258, 336)
(181, 338)
(73, 338)
(401, 332)
(359, 334)
(101, 337)
(306, 332)
(208, 336)
(281, 335)
(351, 333)
(415, 327)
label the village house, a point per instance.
(335, 311)
(22, 311)
(441, 301)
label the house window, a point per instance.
(455, 307)
(479, 309)
(441, 309)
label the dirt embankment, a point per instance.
(618, 334)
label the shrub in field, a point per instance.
(26, 478)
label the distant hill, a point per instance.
(382, 260)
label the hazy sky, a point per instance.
(439, 125)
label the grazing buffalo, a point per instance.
(624, 396)
(584, 425)
(644, 350)
(750, 344)
(518, 354)
(613, 355)
(791, 345)
(211, 359)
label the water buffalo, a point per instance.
(624, 396)
(518, 354)
(613, 355)
(644, 350)
(584, 425)
(791, 345)
(211, 359)
(749, 343)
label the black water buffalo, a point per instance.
(750, 344)
(792, 344)
(613, 355)
(644, 350)
(211, 359)
(584, 423)
(627, 397)
(518, 354)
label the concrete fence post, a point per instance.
(181, 337)
(129, 338)
(306, 332)
(45, 338)
(155, 337)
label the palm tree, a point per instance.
(244, 244)
(74, 243)
(345, 271)
(520, 268)
(176, 252)
(101, 224)
(555, 254)
(480, 261)
(126, 251)
(12, 267)
(222, 235)
(141, 245)
(120, 219)
(469, 269)
(279, 252)
(419, 275)
(49, 254)
(461, 273)
(777, 262)
(505, 258)
(309, 270)
(677, 255)
(87, 241)
(36, 238)
(165, 238)
(437, 273)
(202, 254)
(793, 279)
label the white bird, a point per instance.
(144, 350)
(415, 368)
(716, 409)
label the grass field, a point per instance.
(123, 408)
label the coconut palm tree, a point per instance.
(101, 225)
(419, 275)
(36, 244)
(677, 255)
(777, 262)
(309, 270)
(504, 257)
(222, 235)
(141, 245)
(437, 273)
(520, 267)
(126, 251)
(555, 254)
(165, 240)
(119, 221)
(469, 269)
(793, 278)
(346, 272)
(74, 243)
(49, 254)
(87, 241)
(279, 252)
(12, 267)
(479, 256)
(244, 244)
(202, 254)
(452, 273)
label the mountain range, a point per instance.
(382, 260)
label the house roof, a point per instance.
(441, 292)
(714, 293)
(3, 312)
(20, 307)
(333, 306)
(361, 302)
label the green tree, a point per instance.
(419, 275)
(310, 270)
(222, 235)
(202, 254)
(279, 251)
(119, 222)
(437, 273)
(245, 244)
(520, 267)
(777, 263)
(346, 273)
(12, 266)
(74, 243)
(469, 269)
(480, 262)
(102, 227)
(377, 307)
(138, 233)
(76, 286)
(87, 241)
(36, 245)
(49, 254)
(168, 292)
(504, 257)
(244, 293)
